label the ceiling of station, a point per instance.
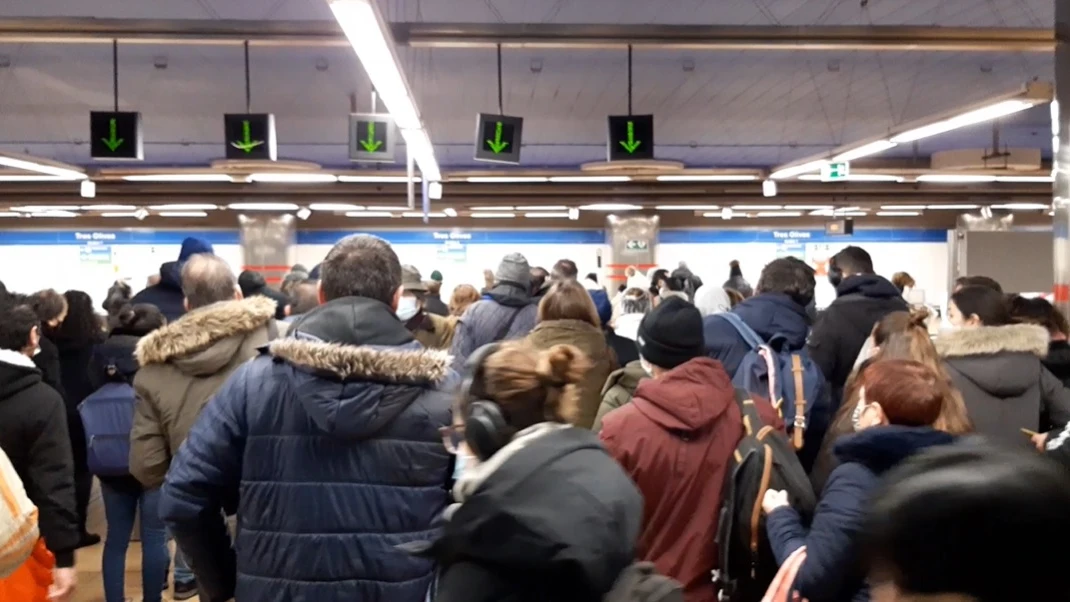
(754, 108)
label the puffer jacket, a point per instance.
(505, 312)
(183, 364)
(1005, 386)
(590, 340)
(767, 314)
(329, 444)
(618, 390)
(833, 571)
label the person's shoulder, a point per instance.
(851, 475)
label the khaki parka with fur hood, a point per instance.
(183, 364)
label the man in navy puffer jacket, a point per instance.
(328, 444)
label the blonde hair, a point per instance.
(568, 300)
(463, 296)
(532, 385)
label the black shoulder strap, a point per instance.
(508, 324)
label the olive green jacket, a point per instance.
(619, 389)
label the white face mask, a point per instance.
(407, 308)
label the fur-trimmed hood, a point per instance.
(408, 364)
(195, 338)
(990, 340)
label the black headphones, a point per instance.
(485, 429)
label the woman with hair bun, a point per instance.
(113, 362)
(899, 401)
(996, 364)
(544, 512)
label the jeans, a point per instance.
(183, 574)
(120, 508)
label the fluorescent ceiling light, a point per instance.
(386, 209)
(376, 179)
(495, 208)
(852, 214)
(866, 150)
(417, 143)
(708, 178)
(756, 207)
(778, 214)
(1022, 206)
(790, 172)
(420, 214)
(41, 168)
(54, 214)
(183, 214)
(688, 207)
(492, 215)
(10, 214)
(335, 207)
(542, 208)
(183, 207)
(108, 207)
(955, 178)
(179, 177)
(119, 214)
(903, 207)
(507, 179)
(450, 212)
(953, 207)
(898, 213)
(37, 179)
(1026, 179)
(43, 208)
(561, 215)
(577, 179)
(293, 178)
(810, 207)
(1000, 109)
(611, 207)
(856, 177)
(374, 45)
(369, 214)
(263, 206)
(822, 213)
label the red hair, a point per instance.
(909, 392)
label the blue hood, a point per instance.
(868, 285)
(355, 368)
(770, 314)
(192, 246)
(881, 448)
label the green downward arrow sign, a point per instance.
(371, 144)
(631, 144)
(247, 144)
(112, 141)
(497, 145)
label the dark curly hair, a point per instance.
(82, 325)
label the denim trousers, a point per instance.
(121, 508)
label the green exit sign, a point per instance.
(498, 138)
(631, 137)
(835, 172)
(115, 136)
(371, 137)
(250, 136)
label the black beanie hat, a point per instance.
(671, 334)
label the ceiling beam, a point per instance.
(462, 35)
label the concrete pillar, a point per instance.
(1061, 152)
(268, 244)
(633, 241)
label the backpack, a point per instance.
(790, 380)
(640, 582)
(18, 520)
(763, 460)
(108, 416)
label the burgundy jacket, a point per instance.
(676, 439)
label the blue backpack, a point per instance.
(789, 379)
(108, 416)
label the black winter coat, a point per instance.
(47, 361)
(167, 295)
(842, 329)
(33, 433)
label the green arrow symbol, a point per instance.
(631, 144)
(371, 144)
(112, 141)
(247, 144)
(497, 145)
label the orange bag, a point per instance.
(31, 581)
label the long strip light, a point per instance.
(966, 207)
(955, 178)
(778, 214)
(588, 179)
(611, 207)
(108, 207)
(995, 111)
(183, 207)
(43, 208)
(866, 150)
(372, 41)
(335, 207)
(791, 172)
(183, 214)
(293, 178)
(1022, 206)
(376, 179)
(687, 207)
(707, 178)
(856, 177)
(41, 178)
(548, 214)
(491, 215)
(263, 206)
(542, 208)
(179, 177)
(41, 168)
(420, 214)
(898, 213)
(507, 180)
(369, 214)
